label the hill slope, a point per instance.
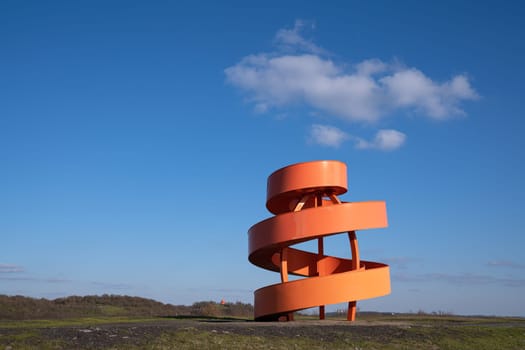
(25, 308)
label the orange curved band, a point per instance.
(304, 199)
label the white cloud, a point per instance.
(506, 263)
(33, 279)
(309, 79)
(370, 67)
(301, 73)
(384, 140)
(462, 279)
(326, 135)
(361, 92)
(401, 262)
(10, 268)
(109, 285)
(411, 88)
(330, 136)
(291, 39)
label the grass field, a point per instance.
(374, 331)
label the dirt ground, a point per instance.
(140, 334)
(136, 334)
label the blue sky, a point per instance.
(136, 139)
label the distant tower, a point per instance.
(303, 198)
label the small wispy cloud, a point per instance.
(401, 262)
(462, 279)
(34, 279)
(302, 73)
(384, 140)
(12, 272)
(507, 264)
(326, 135)
(10, 268)
(231, 290)
(330, 136)
(293, 40)
(112, 286)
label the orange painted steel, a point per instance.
(304, 199)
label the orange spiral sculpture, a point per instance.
(303, 198)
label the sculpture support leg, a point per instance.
(284, 274)
(284, 265)
(320, 250)
(320, 253)
(354, 248)
(352, 305)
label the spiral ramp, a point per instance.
(304, 199)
